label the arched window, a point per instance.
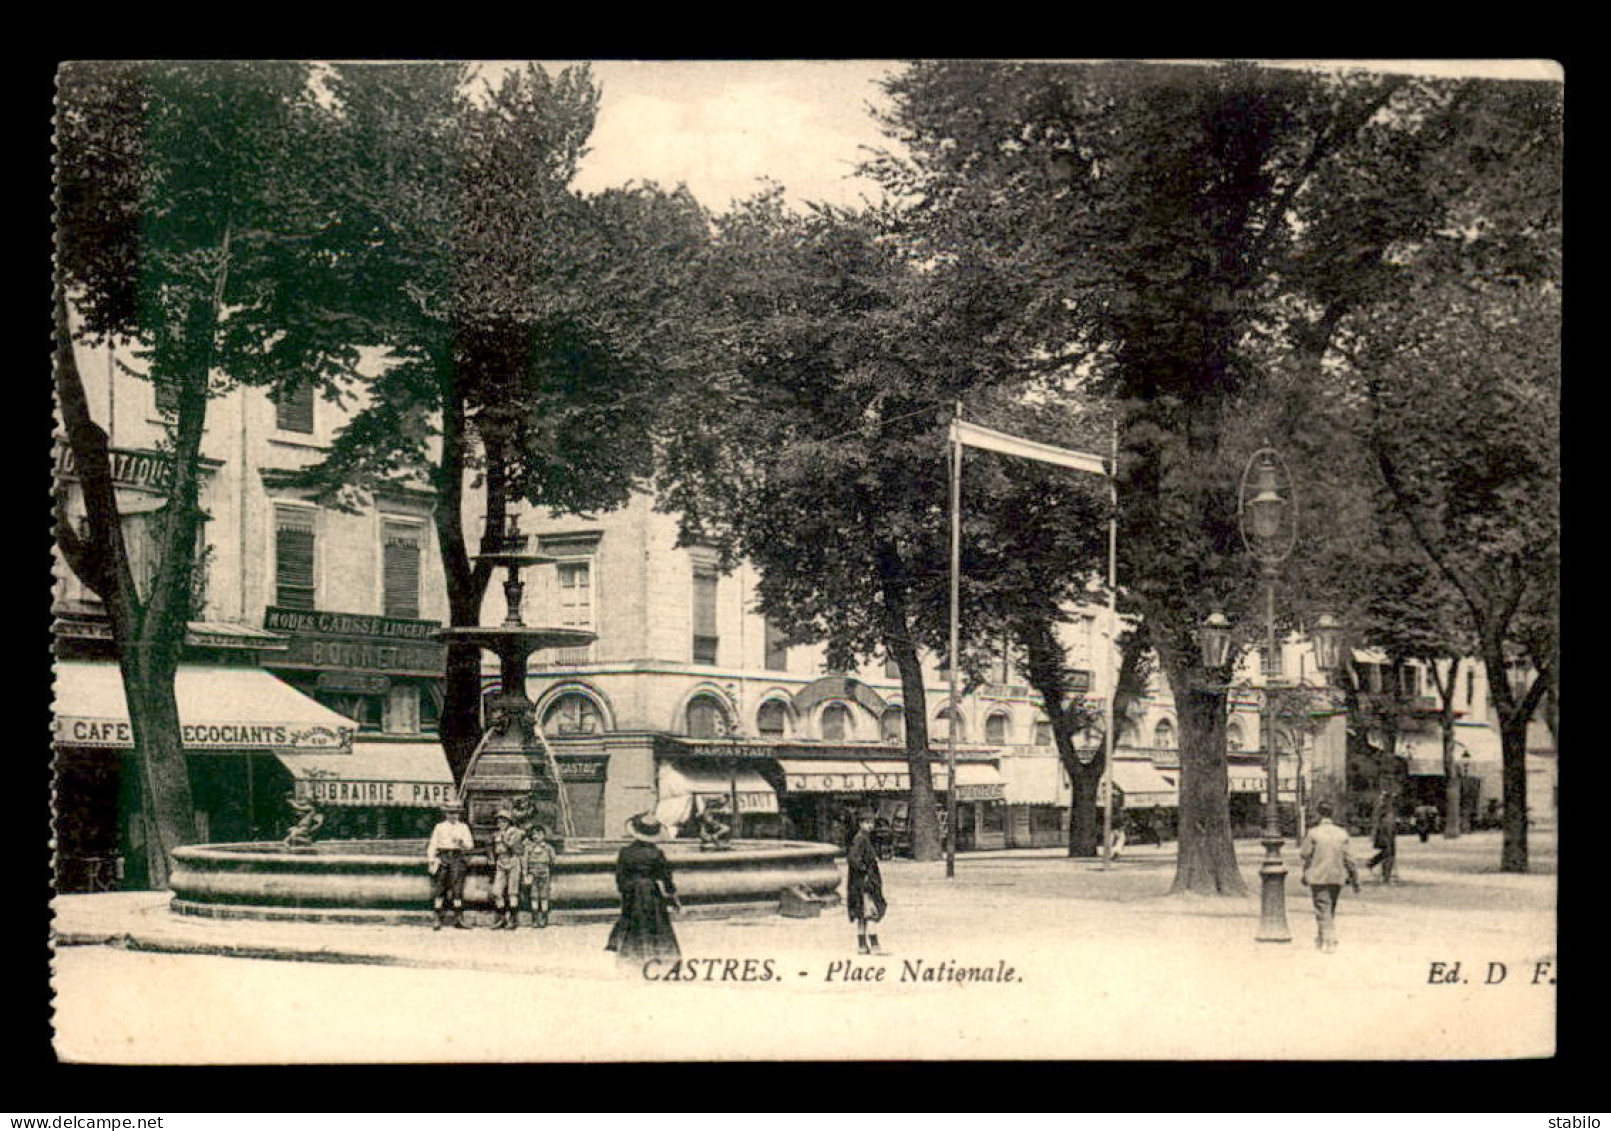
(892, 725)
(706, 718)
(996, 729)
(835, 722)
(1129, 733)
(772, 719)
(1163, 735)
(942, 725)
(1233, 736)
(573, 713)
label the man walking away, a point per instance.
(1326, 867)
(1385, 840)
(864, 889)
(447, 858)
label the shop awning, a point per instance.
(1034, 780)
(684, 779)
(975, 782)
(1140, 783)
(399, 775)
(220, 708)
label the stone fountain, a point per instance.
(366, 881)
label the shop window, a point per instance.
(573, 713)
(400, 568)
(1163, 735)
(431, 697)
(294, 557)
(777, 648)
(403, 709)
(892, 725)
(772, 719)
(705, 639)
(368, 711)
(996, 730)
(706, 719)
(293, 409)
(836, 724)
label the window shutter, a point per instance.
(401, 569)
(293, 409)
(293, 558)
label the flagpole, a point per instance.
(956, 602)
(1106, 788)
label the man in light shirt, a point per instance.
(447, 858)
(1326, 867)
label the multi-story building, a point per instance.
(309, 663)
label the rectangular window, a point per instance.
(293, 409)
(777, 648)
(293, 557)
(706, 640)
(431, 695)
(575, 580)
(892, 670)
(400, 568)
(1270, 661)
(1471, 688)
(1412, 681)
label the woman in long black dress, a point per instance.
(643, 877)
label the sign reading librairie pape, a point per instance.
(335, 641)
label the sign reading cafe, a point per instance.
(119, 734)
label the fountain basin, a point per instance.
(386, 881)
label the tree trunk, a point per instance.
(1084, 830)
(1453, 804)
(1206, 862)
(168, 809)
(1513, 742)
(459, 729)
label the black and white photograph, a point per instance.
(805, 560)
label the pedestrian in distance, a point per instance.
(538, 873)
(508, 853)
(864, 888)
(648, 894)
(1385, 841)
(1326, 867)
(1426, 821)
(447, 858)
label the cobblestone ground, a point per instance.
(1103, 964)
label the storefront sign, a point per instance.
(354, 683)
(151, 471)
(865, 782)
(752, 802)
(985, 791)
(390, 794)
(119, 734)
(327, 641)
(590, 770)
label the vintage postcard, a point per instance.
(805, 561)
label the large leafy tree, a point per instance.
(1198, 239)
(824, 462)
(529, 330)
(185, 193)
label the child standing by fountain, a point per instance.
(447, 858)
(539, 866)
(508, 854)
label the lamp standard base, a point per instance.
(1273, 894)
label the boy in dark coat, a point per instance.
(865, 885)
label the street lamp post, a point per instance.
(1268, 521)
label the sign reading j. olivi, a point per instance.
(332, 641)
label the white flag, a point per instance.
(976, 437)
